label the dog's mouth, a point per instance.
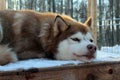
(88, 56)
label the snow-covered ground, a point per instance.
(115, 49)
(105, 54)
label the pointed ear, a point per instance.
(88, 22)
(59, 25)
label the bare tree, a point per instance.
(53, 6)
(117, 15)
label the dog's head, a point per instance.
(74, 40)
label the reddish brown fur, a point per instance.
(31, 35)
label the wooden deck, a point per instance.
(87, 71)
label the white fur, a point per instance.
(68, 47)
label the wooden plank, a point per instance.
(87, 71)
(2, 4)
(94, 8)
(89, 8)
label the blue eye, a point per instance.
(76, 39)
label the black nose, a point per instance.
(91, 48)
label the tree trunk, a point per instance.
(117, 12)
(53, 5)
(71, 8)
(100, 24)
(61, 9)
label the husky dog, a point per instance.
(29, 34)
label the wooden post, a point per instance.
(92, 6)
(2, 4)
(89, 8)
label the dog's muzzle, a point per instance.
(91, 52)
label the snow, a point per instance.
(36, 63)
(105, 54)
(108, 54)
(115, 49)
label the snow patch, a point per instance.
(114, 49)
(36, 63)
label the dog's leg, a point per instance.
(30, 54)
(6, 55)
